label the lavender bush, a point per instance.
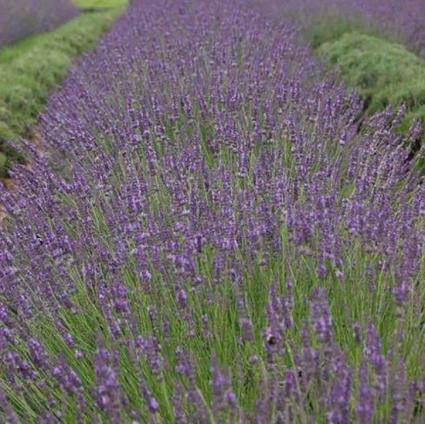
(19, 18)
(401, 20)
(206, 237)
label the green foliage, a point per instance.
(31, 68)
(90, 4)
(381, 71)
(323, 30)
(329, 27)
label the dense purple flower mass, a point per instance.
(206, 236)
(19, 18)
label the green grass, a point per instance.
(30, 69)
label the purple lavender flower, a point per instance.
(198, 178)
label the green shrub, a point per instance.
(381, 71)
(330, 28)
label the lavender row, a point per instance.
(207, 237)
(20, 18)
(402, 20)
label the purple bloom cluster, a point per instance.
(20, 18)
(205, 236)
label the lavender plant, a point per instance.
(206, 237)
(19, 18)
(403, 21)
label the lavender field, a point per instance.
(403, 21)
(19, 18)
(207, 232)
